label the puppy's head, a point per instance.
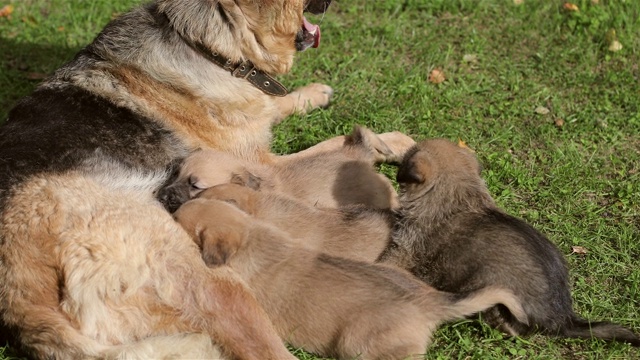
(434, 163)
(219, 228)
(202, 170)
(266, 32)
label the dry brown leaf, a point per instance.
(581, 250)
(6, 10)
(570, 7)
(518, 2)
(559, 122)
(463, 144)
(436, 76)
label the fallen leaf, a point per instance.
(595, 2)
(463, 144)
(542, 110)
(570, 7)
(6, 10)
(615, 46)
(581, 250)
(436, 76)
(470, 58)
(518, 2)
(60, 28)
(559, 122)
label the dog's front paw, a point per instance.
(311, 97)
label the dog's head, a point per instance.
(437, 162)
(266, 32)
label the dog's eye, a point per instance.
(194, 183)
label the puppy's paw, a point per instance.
(398, 143)
(242, 197)
(311, 97)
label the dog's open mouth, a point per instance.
(308, 36)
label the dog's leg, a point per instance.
(233, 318)
(304, 99)
(398, 143)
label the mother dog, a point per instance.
(90, 265)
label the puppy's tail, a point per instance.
(466, 304)
(581, 328)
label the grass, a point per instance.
(551, 112)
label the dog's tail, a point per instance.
(581, 328)
(466, 304)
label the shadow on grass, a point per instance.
(23, 66)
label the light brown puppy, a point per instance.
(335, 173)
(354, 232)
(90, 265)
(325, 304)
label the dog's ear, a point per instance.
(216, 249)
(221, 242)
(418, 169)
(245, 178)
(362, 136)
(408, 174)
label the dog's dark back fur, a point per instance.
(451, 234)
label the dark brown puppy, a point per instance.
(90, 265)
(451, 234)
(324, 304)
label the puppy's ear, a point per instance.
(362, 136)
(219, 246)
(247, 179)
(408, 174)
(416, 170)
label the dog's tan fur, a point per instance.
(91, 266)
(349, 309)
(336, 173)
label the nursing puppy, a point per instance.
(339, 172)
(90, 265)
(354, 232)
(451, 234)
(325, 304)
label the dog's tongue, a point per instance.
(313, 30)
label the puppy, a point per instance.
(451, 234)
(325, 304)
(353, 232)
(90, 265)
(339, 172)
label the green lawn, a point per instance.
(551, 112)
